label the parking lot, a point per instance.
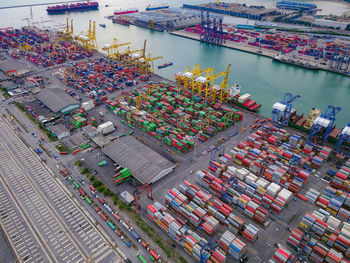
(63, 232)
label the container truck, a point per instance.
(135, 235)
(141, 258)
(108, 208)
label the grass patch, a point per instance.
(78, 163)
(182, 260)
(97, 183)
(85, 170)
(92, 178)
(115, 199)
(5, 93)
(40, 125)
(61, 147)
(101, 188)
(149, 231)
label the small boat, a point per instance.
(102, 25)
(165, 65)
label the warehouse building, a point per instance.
(330, 24)
(59, 130)
(145, 165)
(57, 100)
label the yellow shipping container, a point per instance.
(188, 248)
(238, 162)
(303, 226)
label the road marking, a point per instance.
(46, 203)
(59, 192)
(15, 200)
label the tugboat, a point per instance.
(165, 65)
(102, 25)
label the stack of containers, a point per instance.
(312, 195)
(210, 225)
(235, 224)
(250, 233)
(237, 249)
(226, 239)
(282, 199)
(283, 255)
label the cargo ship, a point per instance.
(59, 9)
(165, 65)
(125, 11)
(156, 7)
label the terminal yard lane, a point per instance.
(42, 223)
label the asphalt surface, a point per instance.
(68, 161)
(41, 221)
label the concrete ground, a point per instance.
(275, 232)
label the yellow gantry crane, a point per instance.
(113, 50)
(222, 90)
(88, 41)
(145, 65)
(127, 57)
(68, 32)
(208, 83)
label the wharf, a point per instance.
(266, 53)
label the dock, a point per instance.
(302, 61)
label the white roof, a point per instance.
(201, 79)
(322, 122)
(279, 106)
(346, 131)
(188, 74)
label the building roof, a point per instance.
(55, 99)
(58, 129)
(145, 165)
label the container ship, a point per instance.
(156, 7)
(125, 11)
(59, 9)
(123, 20)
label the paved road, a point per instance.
(41, 222)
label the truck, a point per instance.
(109, 209)
(101, 200)
(141, 258)
(106, 127)
(135, 235)
(38, 150)
(103, 163)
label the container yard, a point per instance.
(223, 183)
(303, 50)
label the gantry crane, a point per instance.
(126, 55)
(68, 32)
(145, 187)
(281, 110)
(206, 83)
(222, 91)
(344, 137)
(326, 121)
(188, 77)
(88, 41)
(210, 246)
(113, 50)
(217, 150)
(146, 64)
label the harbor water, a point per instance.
(265, 79)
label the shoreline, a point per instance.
(257, 51)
